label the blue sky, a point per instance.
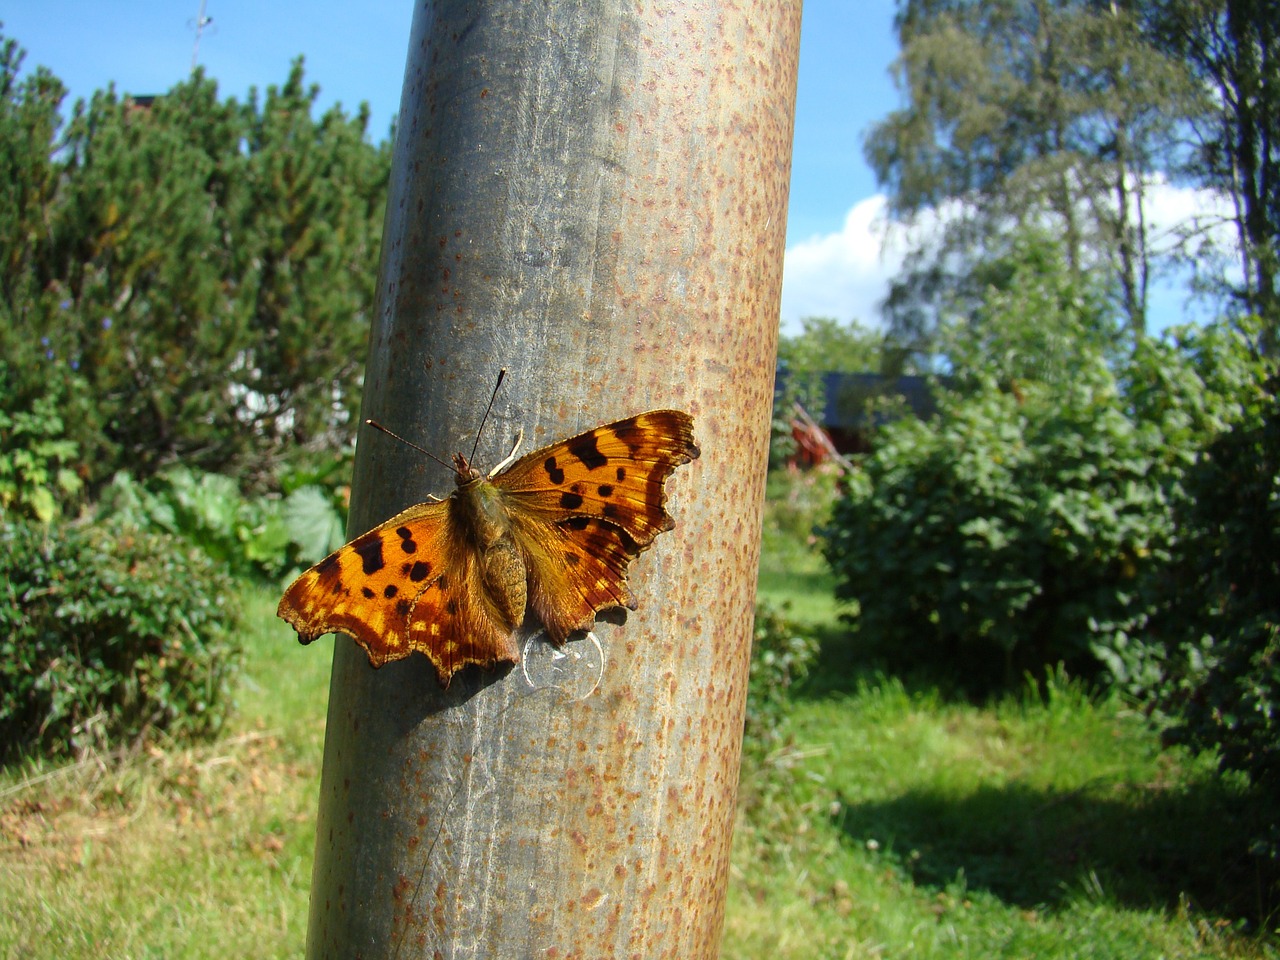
(836, 263)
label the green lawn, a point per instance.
(917, 828)
(182, 852)
(898, 824)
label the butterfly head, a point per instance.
(465, 472)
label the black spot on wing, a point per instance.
(605, 490)
(606, 530)
(554, 473)
(570, 501)
(418, 571)
(586, 450)
(629, 433)
(371, 554)
(368, 594)
(390, 591)
(407, 543)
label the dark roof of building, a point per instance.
(847, 394)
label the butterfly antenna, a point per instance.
(475, 446)
(391, 433)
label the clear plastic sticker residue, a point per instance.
(576, 668)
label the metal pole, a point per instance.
(594, 196)
(201, 22)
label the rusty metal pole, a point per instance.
(594, 196)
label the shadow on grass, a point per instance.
(1143, 848)
(846, 664)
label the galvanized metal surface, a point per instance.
(594, 196)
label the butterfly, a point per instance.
(552, 535)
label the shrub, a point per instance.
(1006, 535)
(36, 478)
(1035, 524)
(1227, 600)
(781, 657)
(799, 505)
(108, 636)
(254, 537)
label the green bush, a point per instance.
(36, 478)
(109, 636)
(799, 506)
(1006, 535)
(781, 657)
(1225, 591)
(1036, 524)
(254, 537)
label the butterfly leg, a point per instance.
(510, 456)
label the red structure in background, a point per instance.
(847, 423)
(814, 445)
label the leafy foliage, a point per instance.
(824, 345)
(1033, 525)
(781, 657)
(261, 537)
(1031, 319)
(1225, 599)
(109, 636)
(1001, 538)
(1056, 113)
(204, 268)
(36, 478)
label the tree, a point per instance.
(29, 122)
(1034, 320)
(1232, 48)
(203, 269)
(1044, 113)
(822, 346)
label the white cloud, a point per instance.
(846, 275)
(1170, 208)
(842, 275)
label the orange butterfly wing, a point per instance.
(408, 584)
(568, 520)
(584, 508)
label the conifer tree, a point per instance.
(202, 269)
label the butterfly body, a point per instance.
(480, 511)
(552, 536)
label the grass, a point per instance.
(181, 851)
(1050, 826)
(898, 823)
